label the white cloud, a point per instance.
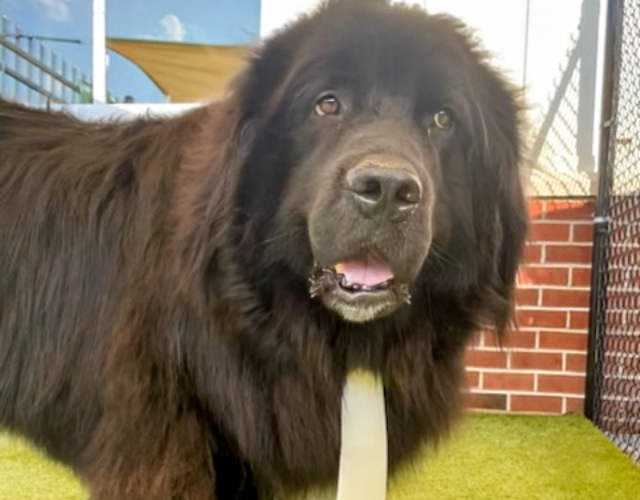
(173, 28)
(57, 10)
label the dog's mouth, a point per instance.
(359, 290)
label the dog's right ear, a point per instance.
(268, 67)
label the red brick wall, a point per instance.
(541, 368)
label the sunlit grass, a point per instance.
(514, 457)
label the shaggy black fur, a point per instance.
(156, 328)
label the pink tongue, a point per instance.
(369, 273)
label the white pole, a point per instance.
(99, 77)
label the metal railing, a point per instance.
(613, 379)
(31, 72)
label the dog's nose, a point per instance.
(389, 191)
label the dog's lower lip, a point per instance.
(339, 281)
(369, 271)
(357, 287)
(356, 302)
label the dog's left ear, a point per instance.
(498, 146)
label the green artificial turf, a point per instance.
(492, 457)
(25, 474)
(514, 457)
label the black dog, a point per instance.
(158, 331)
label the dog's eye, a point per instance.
(443, 120)
(327, 105)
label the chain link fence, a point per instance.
(613, 390)
(562, 160)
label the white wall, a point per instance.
(276, 13)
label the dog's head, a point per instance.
(383, 161)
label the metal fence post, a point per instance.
(601, 226)
(613, 377)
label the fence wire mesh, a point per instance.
(614, 372)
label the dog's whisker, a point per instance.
(443, 256)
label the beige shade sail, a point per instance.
(185, 72)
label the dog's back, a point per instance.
(67, 190)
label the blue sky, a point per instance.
(194, 21)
